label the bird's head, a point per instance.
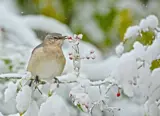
(54, 38)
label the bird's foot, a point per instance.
(36, 87)
(35, 81)
(31, 81)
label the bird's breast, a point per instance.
(49, 69)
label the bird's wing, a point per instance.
(34, 61)
(40, 45)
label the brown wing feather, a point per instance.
(35, 58)
(40, 45)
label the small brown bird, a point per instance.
(47, 60)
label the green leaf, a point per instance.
(155, 64)
(147, 37)
(7, 61)
(79, 107)
(50, 93)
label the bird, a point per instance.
(47, 59)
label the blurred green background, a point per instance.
(103, 22)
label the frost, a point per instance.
(80, 99)
(23, 99)
(11, 91)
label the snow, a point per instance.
(67, 78)
(127, 108)
(143, 25)
(151, 21)
(11, 91)
(139, 50)
(16, 75)
(1, 114)
(119, 49)
(14, 114)
(132, 32)
(46, 24)
(23, 99)
(152, 51)
(54, 106)
(9, 21)
(138, 84)
(154, 111)
(32, 110)
(125, 71)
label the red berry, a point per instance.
(70, 58)
(118, 94)
(70, 38)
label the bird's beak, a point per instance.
(64, 37)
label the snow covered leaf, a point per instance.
(149, 22)
(54, 106)
(32, 110)
(143, 25)
(133, 31)
(23, 99)
(126, 72)
(10, 92)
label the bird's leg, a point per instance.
(38, 89)
(31, 81)
(56, 81)
(36, 80)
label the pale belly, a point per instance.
(48, 70)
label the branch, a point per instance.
(13, 76)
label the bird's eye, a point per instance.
(55, 37)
